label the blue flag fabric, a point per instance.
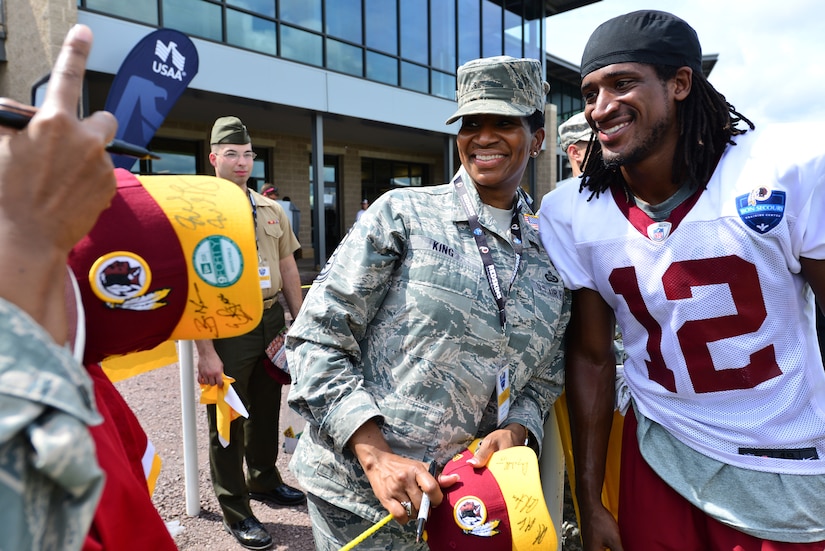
(149, 82)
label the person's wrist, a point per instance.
(529, 440)
(520, 432)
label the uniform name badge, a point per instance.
(503, 393)
(264, 276)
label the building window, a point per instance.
(195, 17)
(415, 44)
(261, 7)
(382, 68)
(491, 35)
(250, 32)
(176, 157)
(302, 46)
(415, 39)
(303, 13)
(469, 30)
(442, 36)
(345, 58)
(343, 20)
(382, 26)
(443, 85)
(513, 34)
(381, 175)
(533, 47)
(145, 11)
(414, 77)
(567, 97)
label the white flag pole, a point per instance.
(186, 359)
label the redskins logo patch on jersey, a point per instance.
(762, 209)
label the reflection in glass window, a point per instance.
(491, 31)
(176, 157)
(174, 163)
(442, 35)
(381, 175)
(344, 58)
(414, 29)
(194, 17)
(263, 7)
(382, 68)
(469, 39)
(145, 11)
(259, 167)
(417, 173)
(444, 85)
(532, 39)
(343, 19)
(251, 32)
(400, 174)
(414, 77)
(306, 13)
(302, 46)
(382, 26)
(512, 34)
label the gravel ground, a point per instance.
(159, 412)
(160, 416)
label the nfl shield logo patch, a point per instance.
(761, 209)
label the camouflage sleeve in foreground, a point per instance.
(401, 326)
(50, 481)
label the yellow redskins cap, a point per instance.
(499, 507)
(173, 257)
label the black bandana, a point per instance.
(647, 36)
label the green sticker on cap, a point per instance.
(218, 261)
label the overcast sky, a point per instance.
(771, 63)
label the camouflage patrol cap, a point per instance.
(575, 129)
(229, 130)
(500, 85)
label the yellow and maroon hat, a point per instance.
(173, 257)
(499, 507)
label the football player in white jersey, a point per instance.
(707, 248)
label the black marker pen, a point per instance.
(17, 117)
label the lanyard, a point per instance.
(255, 222)
(484, 249)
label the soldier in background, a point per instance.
(242, 358)
(574, 135)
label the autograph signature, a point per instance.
(229, 314)
(194, 204)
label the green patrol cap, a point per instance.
(230, 130)
(500, 85)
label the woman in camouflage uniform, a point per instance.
(438, 320)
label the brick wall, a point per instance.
(35, 29)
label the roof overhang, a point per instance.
(533, 10)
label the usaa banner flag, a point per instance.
(149, 82)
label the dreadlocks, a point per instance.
(707, 124)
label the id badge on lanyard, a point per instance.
(264, 275)
(503, 393)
